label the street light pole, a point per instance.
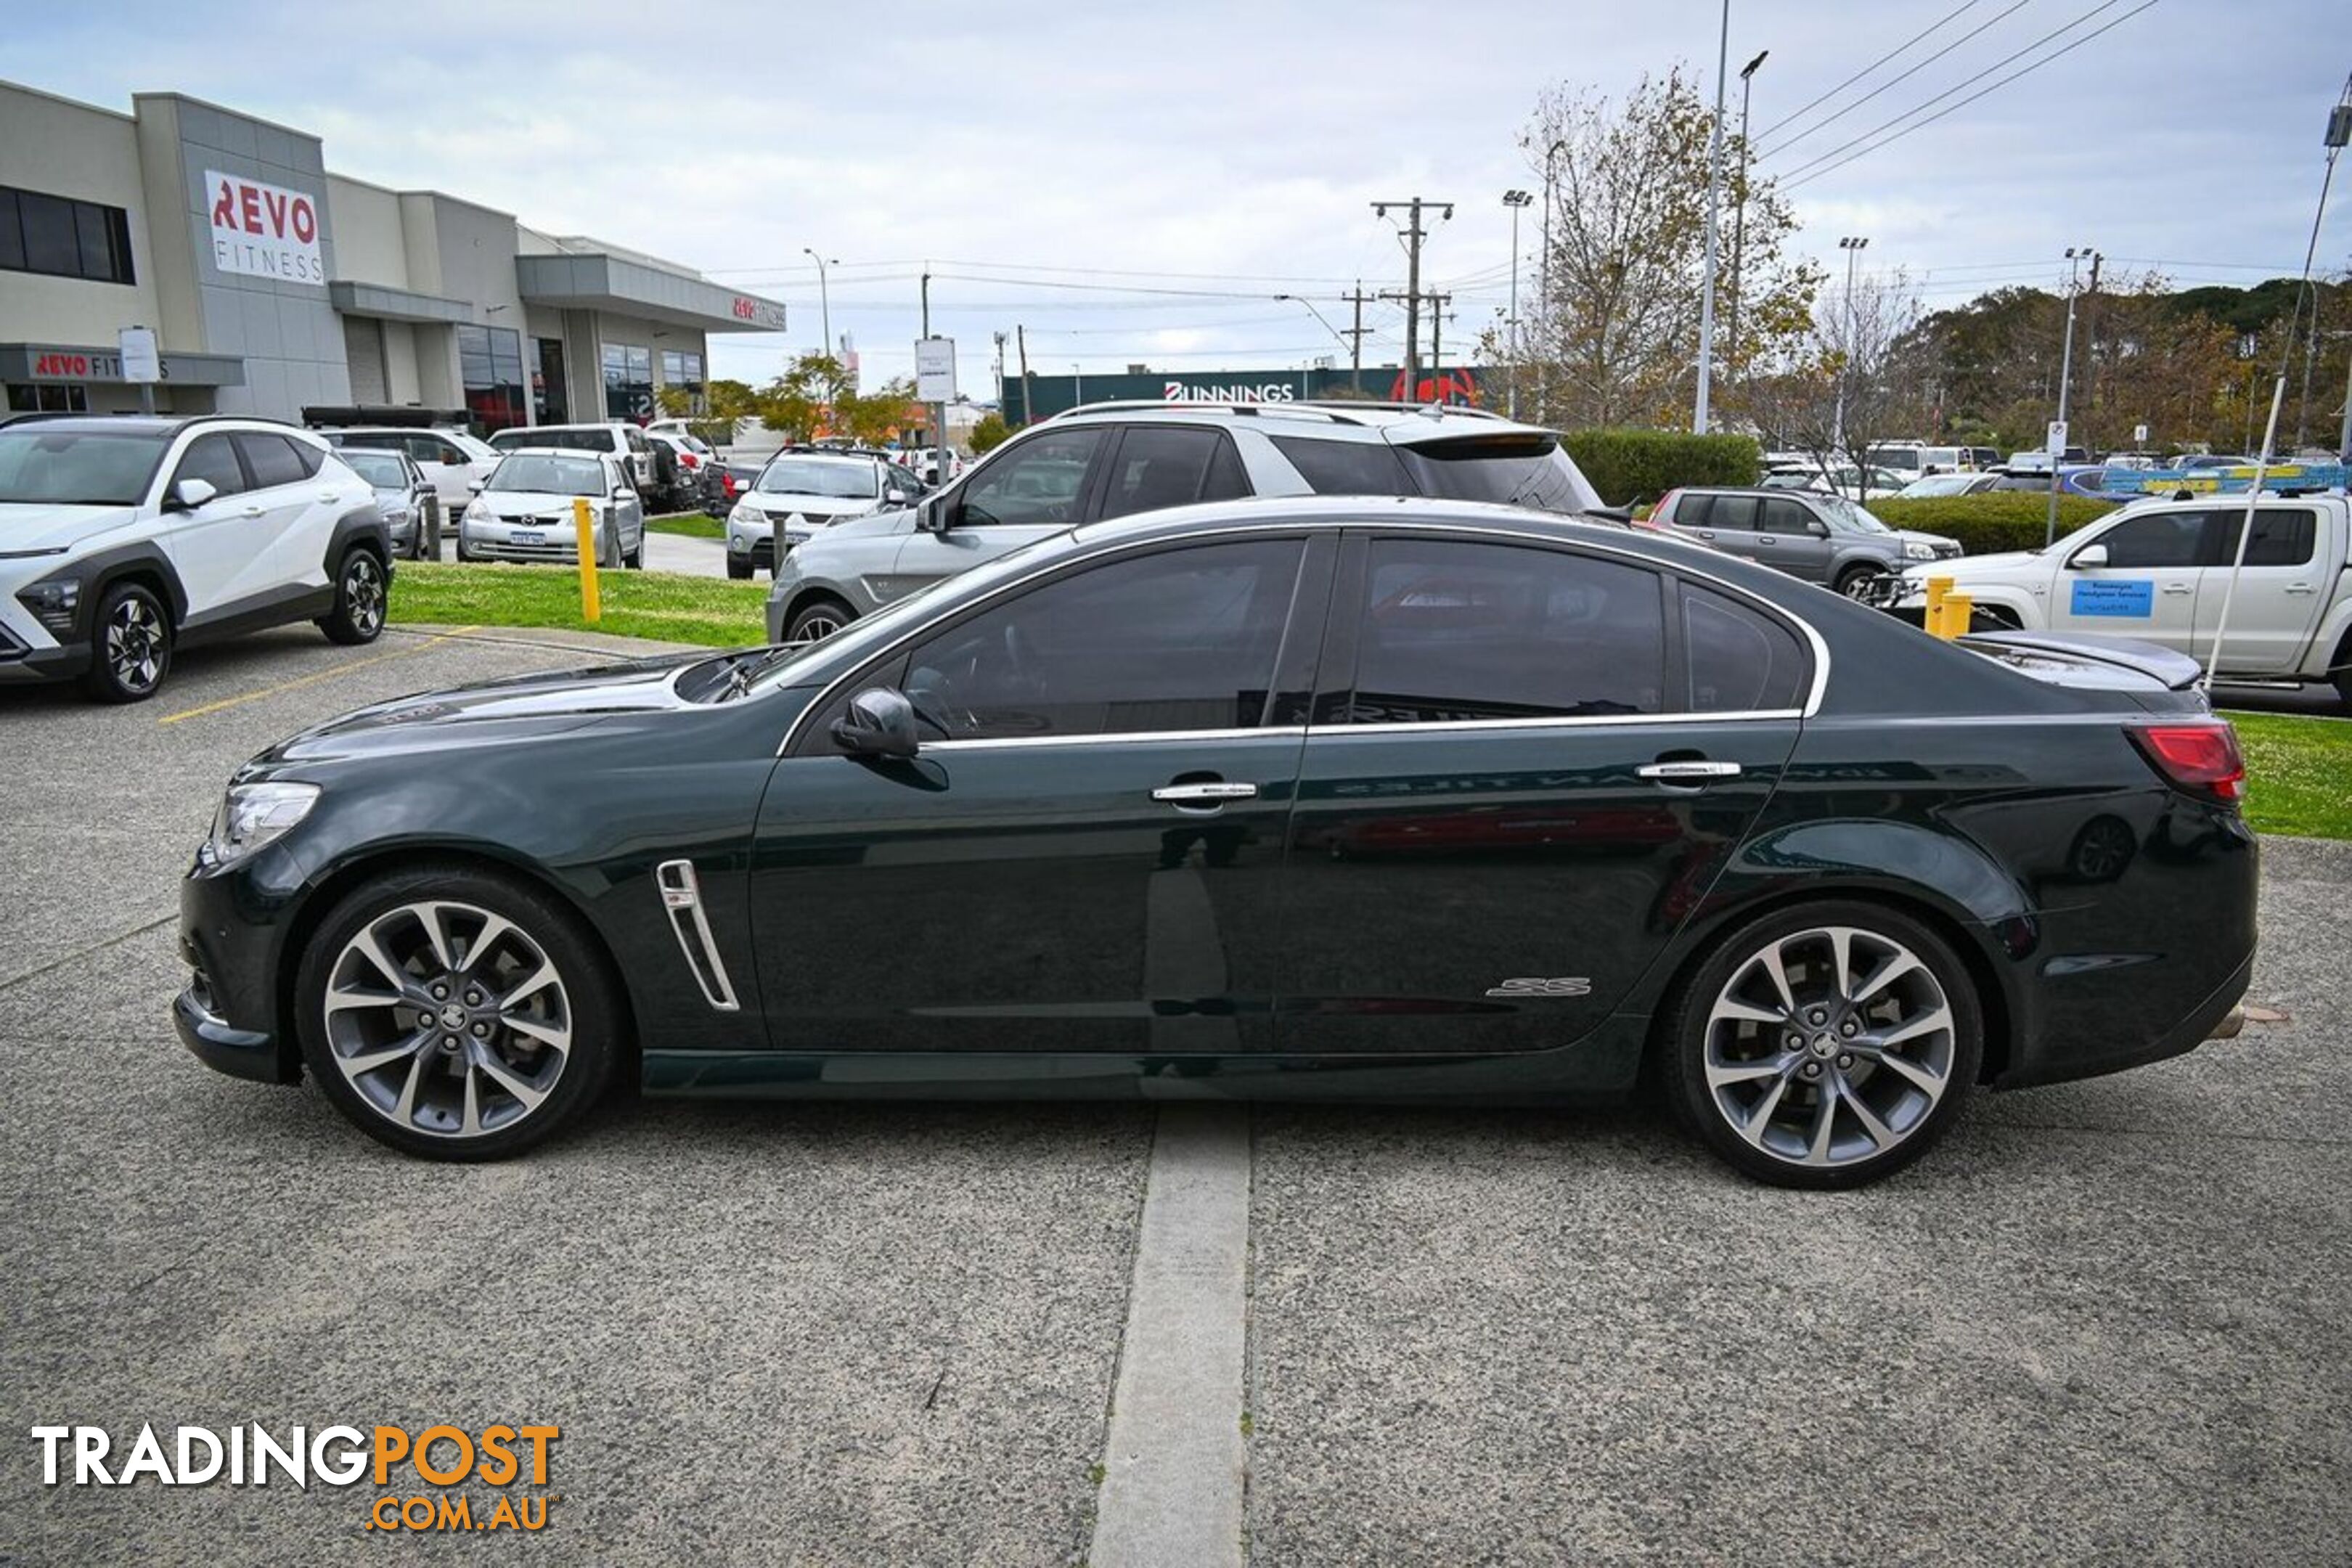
(1514, 200)
(2074, 254)
(1739, 213)
(1853, 246)
(1714, 205)
(824, 295)
(1299, 299)
(1543, 283)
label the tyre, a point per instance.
(818, 619)
(1856, 581)
(131, 645)
(361, 591)
(456, 1015)
(1823, 1047)
(636, 559)
(739, 570)
(2344, 684)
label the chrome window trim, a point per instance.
(1470, 531)
(1564, 722)
(1128, 737)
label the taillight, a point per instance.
(2202, 758)
(688, 460)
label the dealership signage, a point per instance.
(264, 231)
(754, 311)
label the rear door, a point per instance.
(1161, 466)
(1528, 763)
(1731, 522)
(2148, 586)
(2280, 591)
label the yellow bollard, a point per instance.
(1934, 618)
(1958, 610)
(592, 607)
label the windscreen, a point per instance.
(803, 477)
(77, 467)
(544, 475)
(1516, 468)
(381, 469)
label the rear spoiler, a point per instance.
(2177, 671)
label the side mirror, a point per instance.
(2089, 555)
(475, 487)
(897, 497)
(621, 492)
(1817, 528)
(190, 494)
(931, 517)
(880, 723)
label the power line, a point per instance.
(1791, 184)
(1891, 81)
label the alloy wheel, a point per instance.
(1829, 1047)
(363, 594)
(447, 1019)
(817, 625)
(135, 643)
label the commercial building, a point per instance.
(1024, 398)
(274, 286)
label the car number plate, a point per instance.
(528, 536)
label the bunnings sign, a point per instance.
(1038, 397)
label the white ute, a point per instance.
(2158, 573)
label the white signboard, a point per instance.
(264, 231)
(935, 370)
(136, 345)
(2056, 445)
(2139, 435)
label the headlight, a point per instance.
(53, 604)
(478, 511)
(253, 815)
(1915, 551)
(746, 514)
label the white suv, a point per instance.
(125, 538)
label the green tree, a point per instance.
(725, 405)
(989, 433)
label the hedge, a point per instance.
(1988, 524)
(1627, 466)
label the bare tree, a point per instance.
(1860, 377)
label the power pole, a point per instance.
(1356, 338)
(1414, 235)
(1514, 200)
(1028, 387)
(1437, 303)
(2075, 256)
(1739, 213)
(2091, 355)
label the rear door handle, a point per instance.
(1686, 772)
(1766, 538)
(2300, 588)
(1209, 794)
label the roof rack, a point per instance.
(1463, 409)
(1244, 410)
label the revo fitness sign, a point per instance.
(264, 231)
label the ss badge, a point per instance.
(1562, 985)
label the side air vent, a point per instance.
(681, 894)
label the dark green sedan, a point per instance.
(1304, 799)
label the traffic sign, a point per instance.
(2057, 443)
(136, 347)
(935, 370)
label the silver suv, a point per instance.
(1115, 459)
(1822, 539)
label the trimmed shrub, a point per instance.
(1989, 524)
(1628, 466)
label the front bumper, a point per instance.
(559, 542)
(24, 665)
(231, 930)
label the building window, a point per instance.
(48, 400)
(489, 362)
(684, 371)
(64, 237)
(550, 403)
(628, 383)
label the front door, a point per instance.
(221, 549)
(1024, 494)
(2147, 588)
(1088, 857)
(1541, 764)
(1790, 537)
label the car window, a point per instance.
(1038, 484)
(211, 459)
(384, 470)
(1735, 512)
(1692, 510)
(2157, 539)
(1346, 468)
(1451, 630)
(1518, 468)
(1178, 639)
(270, 459)
(1226, 479)
(1157, 467)
(39, 463)
(1783, 515)
(2281, 538)
(1741, 660)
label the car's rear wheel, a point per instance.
(131, 647)
(361, 594)
(1854, 581)
(818, 619)
(456, 1014)
(1824, 1047)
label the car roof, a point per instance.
(574, 453)
(1333, 419)
(155, 424)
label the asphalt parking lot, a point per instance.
(2110, 1321)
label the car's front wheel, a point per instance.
(1856, 581)
(456, 1014)
(362, 590)
(739, 568)
(1825, 1045)
(818, 619)
(132, 645)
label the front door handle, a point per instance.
(1766, 538)
(2300, 588)
(252, 511)
(2178, 588)
(1209, 795)
(1691, 772)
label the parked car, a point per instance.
(400, 488)
(1909, 460)
(1840, 478)
(2158, 573)
(730, 480)
(797, 493)
(1937, 486)
(125, 538)
(1817, 538)
(614, 439)
(1790, 860)
(453, 460)
(525, 512)
(1115, 459)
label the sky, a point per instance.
(1136, 183)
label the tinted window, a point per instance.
(213, 460)
(51, 243)
(1741, 660)
(12, 233)
(1159, 467)
(1038, 483)
(1518, 469)
(1450, 631)
(271, 459)
(1692, 510)
(381, 469)
(1735, 512)
(1181, 639)
(1226, 481)
(2156, 540)
(1346, 468)
(2281, 538)
(1781, 516)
